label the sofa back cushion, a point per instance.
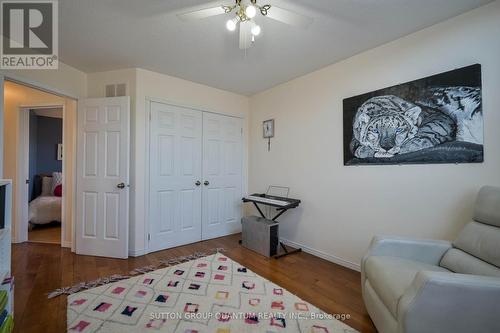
(461, 262)
(487, 208)
(480, 240)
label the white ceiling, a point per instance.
(100, 35)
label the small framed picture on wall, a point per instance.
(268, 129)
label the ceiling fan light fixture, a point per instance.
(244, 13)
(250, 11)
(256, 30)
(231, 24)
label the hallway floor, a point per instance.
(48, 233)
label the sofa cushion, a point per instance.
(461, 262)
(391, 276)
(487, 208)
(480, 240)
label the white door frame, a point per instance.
(11, 77)
(21, 209)
(147, 189)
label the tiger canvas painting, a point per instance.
(438, 119)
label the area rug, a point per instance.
(213, 294)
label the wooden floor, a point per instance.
(48, 233)
(41, 268)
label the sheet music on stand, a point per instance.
(276, 191)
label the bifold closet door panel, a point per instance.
(222, 175)
(175, 176)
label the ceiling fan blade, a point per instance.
(245, 35)
(201, 14)
(288, 17)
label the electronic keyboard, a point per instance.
(270, 200)
(267, 200)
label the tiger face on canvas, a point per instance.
(385, 126)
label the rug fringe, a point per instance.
(137, 271)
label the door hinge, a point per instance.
(149, 115)
(149, 237)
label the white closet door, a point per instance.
(175, 171)
(102, 191)
(222, 175)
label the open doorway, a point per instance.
(39, 156)
(45, 164)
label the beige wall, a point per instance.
(65, 80)
(344, 207)
(144, 85)
(16, 96)
(96, 82)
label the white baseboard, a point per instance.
(323, 255)
(136, 253)
(66, 244)
(15, 240)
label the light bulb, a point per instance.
(251, 11)
(256, 30)
(231, 25)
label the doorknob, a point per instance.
(206, 183)
(198, 183)
(121, 186)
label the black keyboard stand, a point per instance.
(281, 210)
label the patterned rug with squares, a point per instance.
(209, 295)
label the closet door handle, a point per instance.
(206, 183)
(198, 183)
(121, 186)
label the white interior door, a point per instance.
(222, 175)
(102, 216)
(175, 176)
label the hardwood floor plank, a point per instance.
(49, 233)
(41, 268)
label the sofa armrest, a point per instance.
(449, 302)
(427, 251)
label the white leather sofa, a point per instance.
(424, 286)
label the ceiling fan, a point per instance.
(245, 12)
